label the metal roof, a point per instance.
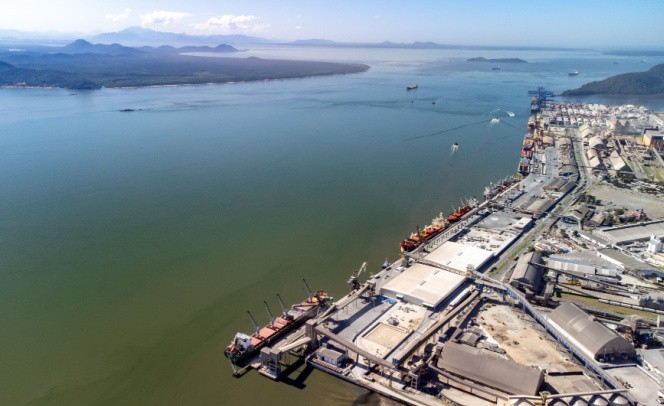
(527, 274)
(459, 256)
(582, 262)
(596, 142)
(590, 336)
(490, 369)
(634, 232)
(421, 283)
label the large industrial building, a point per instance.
(586, 262)
(525, 274)
(490, 369)
(588, 335)
(422, 285)
(631, 233)
(459, 256)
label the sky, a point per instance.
(565, 23)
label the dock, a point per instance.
(402, 331)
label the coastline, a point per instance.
(365, 69)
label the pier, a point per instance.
(396, 333)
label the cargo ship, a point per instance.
(244, 346)
(412, 86)
(437, 226)
(494, 189)
(429, 232)
(462, 211)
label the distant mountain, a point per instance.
(81, 46)
(642, 52)
(497, 60)
(650, 82)
(137, 36)
(221, 48)
(417, 45)
(313, 41)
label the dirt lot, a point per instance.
(522, 342)
(616, 197)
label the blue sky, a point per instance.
(473, 22)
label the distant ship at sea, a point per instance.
(455, 146)
(574, 73)
(412, 86)
(495, 68)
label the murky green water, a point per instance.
(132, 244)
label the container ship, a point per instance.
(244, 346)
(437, 226)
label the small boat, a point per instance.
(455, 146)
(495, 68)
(574, 73)
(495, 121)
(412, 86)
(386, 264)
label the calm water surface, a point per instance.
(132, 244)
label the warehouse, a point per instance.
(589, 336)
(490, 369)
(635, 232)
(422, 285)
(527, 275)
(460, 256)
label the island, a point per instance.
(82, 65)
(649, 83)
(496, 60)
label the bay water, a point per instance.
(133, 243)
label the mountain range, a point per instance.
(83, 65)
(136, 36)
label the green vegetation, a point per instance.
(88, 66)
(13, 76)
(650, 82)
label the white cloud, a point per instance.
(229, 22)
(119, 17)
(161, 17)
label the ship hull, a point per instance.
(271, 333)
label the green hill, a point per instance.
(82, 65)
(650, 83)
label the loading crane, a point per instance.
(540, 97)
(285, 315)
(353, 280)
(253, 321)
(269, 313)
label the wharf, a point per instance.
(390, 334)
